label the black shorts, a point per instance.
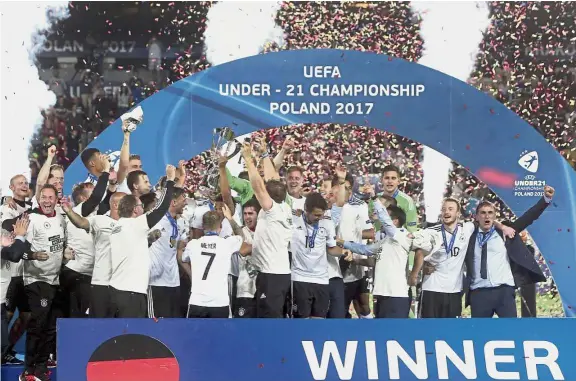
(208, 312)
(311, 299)
(100, 302)
(128, 304)
(440, 304)
(16, 296)
(164, 302)
(245, 308)
(271, 291)
(391, 307)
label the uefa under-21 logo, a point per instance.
(529, 161)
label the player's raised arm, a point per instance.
(76, 219)
(246, 248)
(225, 190)
(157, 213)
(256, 180)
(99, 190)
(270, 172)
(124, 162)
(42, 177)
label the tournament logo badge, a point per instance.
(529, 161)
(241, 311)
(530, 186)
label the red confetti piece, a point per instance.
(465, 106)
(387, 113)
(468, 146)
(260, 366)
(551, 262)
(492, 111)
(516, 136)
(491, 176)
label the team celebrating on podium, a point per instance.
(259, 246)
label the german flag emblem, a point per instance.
(132, 358)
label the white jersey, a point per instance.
(209, 257)
(354, 220)
(246, 285)
(449, 273)
(334, 270)
(129, 253)
(309, 261)
(7, 213)
(196, 221)
(271, 239)
(297, 203)
(163, 263)
(391, 260)
(123, 187)
(226, 229)
(100, 228)
(47, 234)
(81, 242)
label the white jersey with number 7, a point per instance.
(209, 257)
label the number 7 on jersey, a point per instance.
(209, 264)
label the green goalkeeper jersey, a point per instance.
(406, 203)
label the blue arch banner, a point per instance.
(366, 89)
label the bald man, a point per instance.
(101, 227)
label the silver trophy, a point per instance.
(223, 142)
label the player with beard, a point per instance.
(129, 251)
(16, 296)
(75, 277)
(100, 227)
(138, 183)
(443, 247)
(271, 239)
(45, 233)
(164, 292)
(245, 305)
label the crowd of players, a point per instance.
(122, 248)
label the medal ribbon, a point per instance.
(452, 240)
(482, 241)
(312, 237)
(174, 226)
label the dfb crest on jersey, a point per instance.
(44, 302)
(46, 225)
(241, 311)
